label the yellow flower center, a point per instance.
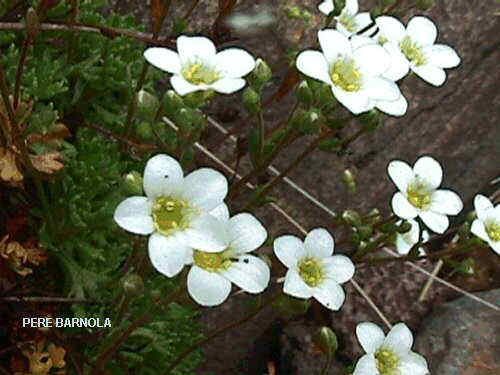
(345, 74)
(213, 262)
(197, 73)
(493, 230)
(382, 40)
(412, 51)
(387, 362)
(347, 20)
(311, 271)
(419, 194)
(169, 214)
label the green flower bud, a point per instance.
(289, 306)
(260, 75)
(374, 215)
(424, 4)
(351, 217)
(307, 122)
(324, 96)
(471, 216)
(172, 102)
(404, 227)
(294, 12)
(133, 285)
(199, 98)
(144, 131)
(370, 120)
(304, 93)
(251, 100)
(133, 183)
(349, 180)
(32, 22)
(326, 340)
(339, 6)
(147, 105)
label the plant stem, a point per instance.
(328, 363)
(191, 9)
(20, 69)
(262, 136)
(217, 332)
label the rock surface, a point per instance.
(462, 337)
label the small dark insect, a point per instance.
(245, 260)
(166, 176)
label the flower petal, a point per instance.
(370, 336)
(183, 87)
(399, 63)
(482, 205)
(495, 246)
(313, 64)
(366, 365)
(289, 249)
(234, 62)
(399, 339)
(414, 364)
(134, 215)
(196, 48)
(333, 44)
(358, 41)
(393, 108)
(329, 294)
(249, 273)
(164, 59)
(401, 174)
(205, 188)
(362, 20)
(429, 170)
(380, 88)
(422, 30)
(162, 176)
(351, 6)
(339, 268)
(295, 286)
(207, 288)
(404, 242)
(441, 55)
(372, 59)
(402, 207)
(206, 233)
(446, 202)
(246, 233)
(326, 7)
(430, 73)
(436, 222)
(354, 101)
(391, 28)
(479, 230)
(220, 212)
(319, 243)
(228, 85)
(167, 253)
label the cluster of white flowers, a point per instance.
(360, 77)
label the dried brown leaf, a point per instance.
(49, 162)
(53, 137)
(8, 168)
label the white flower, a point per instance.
(413, 48)
(312, 270)
(389, 355)
(349, 21)
(176, 209)
(209, 279)
(197, 65)
(326, 7)
(487, 224)
(354, 74)
(419, 195)
(405, 241)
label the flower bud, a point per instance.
(199, 98)
(133, 183)
(404, 227)
(251, 100)
(133, 285)
(304, 93)
(339, 5)
(370, 120)
(147, 105)
(32, 22)
(351, 217)
(172, 102)
(260, 75)
(326, 340)
(424, 4)
(144, 131)
(349, 180)
(307, 122)
(294, 12)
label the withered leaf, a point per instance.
(159, 10)
(49, 162)
(8, 168)
(53, 137)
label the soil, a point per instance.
(458, 124)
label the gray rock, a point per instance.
(462, 337)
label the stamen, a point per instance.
(311, 271)
(412, 51)
(493, 230)
(419, 194)
(169, 214)
(348, 21)
(197, 73)
(346, 75)
(213, 262)
(387, 362)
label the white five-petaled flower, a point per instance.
(349, 21)
(197, 65)
(312, 270)
(413, 48)
(419, 195)
(405, 241)
(210, 277)
(487, 224)
(354, 74)
(176, 208)
(389, 355)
